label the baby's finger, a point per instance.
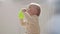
(24, 9)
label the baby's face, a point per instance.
(32, 10)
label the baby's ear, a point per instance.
(24, 9)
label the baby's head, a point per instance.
(34, 9)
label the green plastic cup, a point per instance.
(20, 14)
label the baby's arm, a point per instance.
(22, 22)
(29, 18)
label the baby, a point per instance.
(30, 21)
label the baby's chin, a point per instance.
(34, 15)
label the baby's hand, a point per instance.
(24, 10)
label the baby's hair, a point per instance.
(38, 7)
(34, 4)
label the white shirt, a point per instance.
(31, 24)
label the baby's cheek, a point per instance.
(33, 11)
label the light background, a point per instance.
(9, 22)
